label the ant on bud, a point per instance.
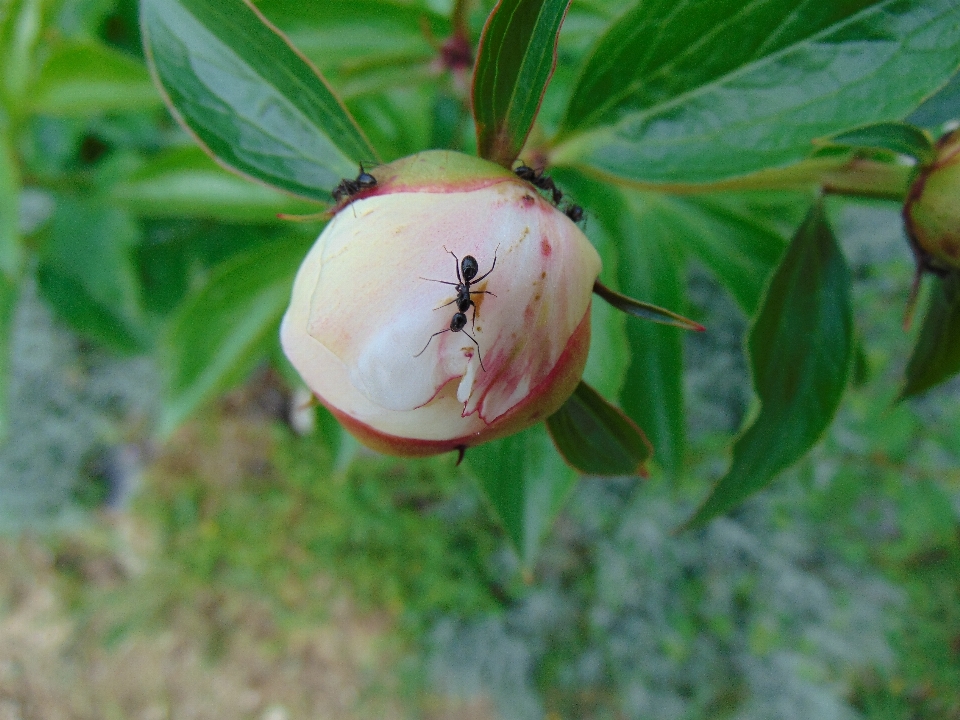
(540, 181)
(469, 269)
(348, 188)
(574, 212)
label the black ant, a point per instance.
(349, 188)
(539, 180)
(469, 269)
(574, 212)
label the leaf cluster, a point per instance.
(690, 133)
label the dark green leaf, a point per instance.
(609, 351)
(87, 273)
(801, 346)
(896, 137)
(220, 332)
(941, 107)
(936, 356)
(249, 97)
(89, 78)
(516, 57)
(651, 268)
(738, 237)
(597, 438)
(640, 244)
(186, 183)
(644, 311)
(698, 92)
(526, 483)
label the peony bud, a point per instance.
(932, 211)
(369, 322)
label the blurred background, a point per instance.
(180, 539)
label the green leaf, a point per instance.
(249, 97)
(698, 92)
(896, 137)
(397, 121)
(87, 273)
(348, 37)
(801, 346)
(651, 267)
(640, 246)
(597, 438)
(936, 355)
(8, 303)
(89, 78)
(941, 107)
(526, 483)
(185, 182)
(516, 57)
(11, 252)
(609, 352)
(227, 326)
(644, 311)
(738, 237)
(21, 22)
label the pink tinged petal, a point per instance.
(361, 311)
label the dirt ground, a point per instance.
(214, 656)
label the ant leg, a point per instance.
(479, 356)
(476, 280)
(459, 279)
(441, 332)
(445, 282)
(473, 318)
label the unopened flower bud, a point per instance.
(932, 210)
(413, 359)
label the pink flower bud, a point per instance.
(932, 211)
(369, 322)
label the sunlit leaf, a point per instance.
(801, 347)
(22, 23)
(249, 97)
(597, 438)
(516, 57)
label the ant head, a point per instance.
(365, 180)
(469, 268)
(458, 321)
(574, 212)
(524, 172)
